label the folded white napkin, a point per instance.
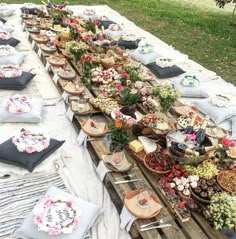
(126, 219)
(82, 138)
(102, 170)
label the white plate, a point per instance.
(137, 114)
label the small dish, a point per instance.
(48, 48)
(57, 61)
(73, 89)
(94, 129)
(152, 210)
(66, 73)
(40, 38)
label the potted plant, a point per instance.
(167, 96)
(119, 134)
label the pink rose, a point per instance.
(24, 97)
(117, 113)
(130, 122)
(37, 219)
(138, 84)
(47, 201)
(29, 149)
(46, 144)
(76, 222)
(133, 91)
(119, 87)
(19, 111)
(143, 91)
(54, 231)
(227, 143)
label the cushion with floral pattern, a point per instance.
(89, 212)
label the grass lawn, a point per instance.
(208, 37)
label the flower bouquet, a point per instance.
(167, 96)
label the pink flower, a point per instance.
(19, 111)
(7, 105)
(192, 137)
(130, 122)
(133, 91)
(24, 97)
(143, 91)
(54, 231)
(37, 219)
(29, 149)
(117, 113)
(46, 144)
(138, 84)
(227, 143)
(76, 222)
(119, 87)
(125, 74)
(68, 204)
(47, 201)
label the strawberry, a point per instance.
(182, 204)
(167, 185)
(172, 192)
(171, 175)
(143, 201)
(92, 124)
(177, 173)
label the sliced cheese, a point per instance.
(136, 146)
(148, 144)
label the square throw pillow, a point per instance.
(5, 28)
(32, 10)
(16, 83)
(105, 23)
(88, 213)
(6, 12)
(165, 72)
(145, 58)
(128, 44)
(33, 116)
(11, 42)
(217, 114)
(9, 154)
(15, 59)
(198, 91)
(114, 34)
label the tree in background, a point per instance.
(222, 3)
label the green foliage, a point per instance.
(129, 96)
(119, 134)
(222, 3)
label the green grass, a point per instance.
(207, 37)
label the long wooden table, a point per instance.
(196, 227)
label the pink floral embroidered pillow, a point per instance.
(37, 225)
(19, 108)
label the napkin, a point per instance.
(82, 138)
(126, 219)
(102, 170)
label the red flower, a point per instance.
(182, 204)
(172, 192)
(227, 143)
(125, 74)
(89, 59)
(119, 87)
(167, 185)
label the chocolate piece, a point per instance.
(197, 190)
(204, 187)
(203, 195)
